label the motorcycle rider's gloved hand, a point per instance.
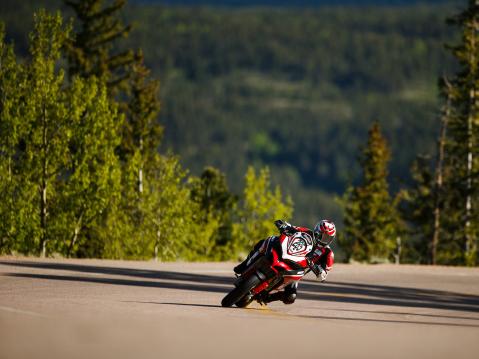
(283, 226)
(321, 275)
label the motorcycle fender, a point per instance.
(239, 280)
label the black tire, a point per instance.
(244, 302)
(239, 292)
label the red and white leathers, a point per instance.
(321, 259)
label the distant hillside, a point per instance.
(292, 89)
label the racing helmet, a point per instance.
(324, 232)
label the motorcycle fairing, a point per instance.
(297, 246)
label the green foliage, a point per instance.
(93, 171)
(141, 135)
(164, 215)
(371, 219)
(260, 207)
(92, 51)
(15, 201)
(217, 207)
(418, 209)
(59, 145)
(263, 87)
(461, 214)
(48, 125)
(276, 88)
(142, 131)
(293, 89)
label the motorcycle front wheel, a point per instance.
(245, 301)
(237, 294)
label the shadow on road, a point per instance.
(177, 304)
(389, 295)
(389, 321)
(129, 272)
(344, 292)
(423, 315)
(196, 305)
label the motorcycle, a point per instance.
(278, 262)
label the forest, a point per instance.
(294, 89)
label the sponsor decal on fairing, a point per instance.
(297, 246)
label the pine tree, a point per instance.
(260, 208)
(462, 146)
(423, 202)
(417, 209)
(141, 136)
(438, 194)
(92, 51)
(371, 219)
(141, 133)
(217, 204)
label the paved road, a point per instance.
(110, 309)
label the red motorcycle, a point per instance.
(279, 262)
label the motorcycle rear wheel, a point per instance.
(239, 292)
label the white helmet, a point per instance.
(324, 232)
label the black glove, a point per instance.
(322, 274)
(283, 226)
(314, 268)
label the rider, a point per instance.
(320, 259)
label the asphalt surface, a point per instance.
(59, 308)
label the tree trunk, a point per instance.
(75, 235)
(397, 255)
(157, 243)
(439, 178)
(140, 170)
(43, 219)
(470, 245)
(43, 188)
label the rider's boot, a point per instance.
(240, 268)
(288, 296)
(271, 297)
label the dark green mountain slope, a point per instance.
(290, 3)
(296, 90)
